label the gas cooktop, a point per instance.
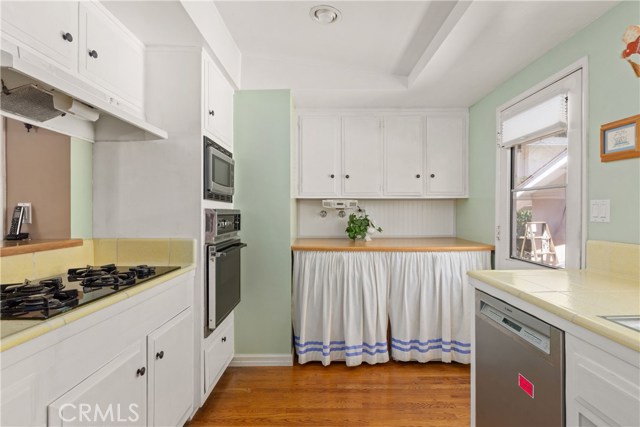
(50, 296)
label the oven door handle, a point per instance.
(226, 251)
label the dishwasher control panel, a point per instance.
(528, 334)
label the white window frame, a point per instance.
(577, 178)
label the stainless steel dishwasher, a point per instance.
(519, 367)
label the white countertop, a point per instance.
(579, 296)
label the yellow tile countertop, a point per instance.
(579, 296)
(425, 244)
(14, 332)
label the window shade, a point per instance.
(546, 117)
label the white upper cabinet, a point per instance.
(362, 156)
(85, 41)
(386, 155)
(319, 155)
(49, 28)
(218, 104)
(110, 56)
(404, 146)
(447, 156)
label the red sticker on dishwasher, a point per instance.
(525, 385)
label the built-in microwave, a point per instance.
(218, 172)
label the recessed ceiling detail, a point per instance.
(324, 15)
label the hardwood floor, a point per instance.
(389, 394)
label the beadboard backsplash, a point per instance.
(398, 218)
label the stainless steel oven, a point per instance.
(222, 276)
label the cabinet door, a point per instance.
(319, 156)
(170, 358)
(19, 399)
(218, 352)
(218, 111)
(41, 25)
(110, 56)
(404, 147)
(601, 389)
(114, 395)
(447, 156)
(361, 156)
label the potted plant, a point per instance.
(359, 225)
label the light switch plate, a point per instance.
(600, 211)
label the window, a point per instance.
(539, 190)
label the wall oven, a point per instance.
(222, 276)
(218, 172)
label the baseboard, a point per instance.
(262, 360)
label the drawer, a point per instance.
(218, 353)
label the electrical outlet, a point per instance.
(27, 212)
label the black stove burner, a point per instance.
(114, 280)
(29, 287)
(143, 271)
(48, 297)
(45, 303)
(76, 274)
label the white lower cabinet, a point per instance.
(218, 353)
(127, 364)
(169, 358)
(115, 395)
(601, 389)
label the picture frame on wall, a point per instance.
(620, 139)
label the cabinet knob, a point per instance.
(212, 113)
(433, 175)
(93, 54)
(67, 36)
(332, 176)
(346, 176)
(160, 354)
(141, 372)
(417, 175)
(224, 339)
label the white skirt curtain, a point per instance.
(431, 304)
(340, 307)
(343, 302)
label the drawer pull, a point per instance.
(67, 36)
(160, 354)
(93, 54)
(224, 339)
(141, 372)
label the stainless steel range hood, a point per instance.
(35, 93)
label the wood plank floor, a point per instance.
(389, 394)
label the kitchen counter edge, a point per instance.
(425, 244)
(605, 328)
(19, 247)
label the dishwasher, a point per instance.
(519, 367)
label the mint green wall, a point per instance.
(81, 189)
(613, 94)
(262, 151)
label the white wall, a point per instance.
(398, 218)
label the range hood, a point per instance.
(36, 94)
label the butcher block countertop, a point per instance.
(13, 247)
(422, 244)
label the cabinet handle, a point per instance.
(433, 175)
(224, 339)
(93, 54)
(67, 36)
(346, 176)
(332, 176)
(418, 176)
(141, 371)
(212, 113)
(160, 354)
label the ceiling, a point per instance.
(379, 54)
(394, 54)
